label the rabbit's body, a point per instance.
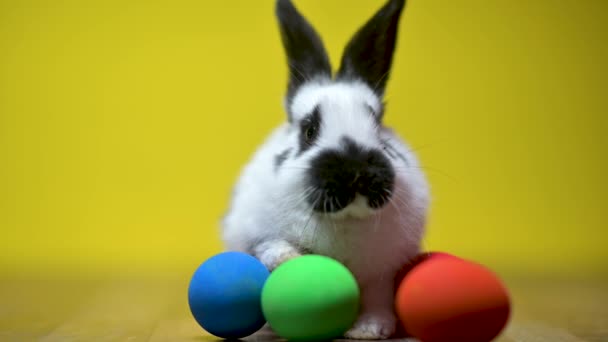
(268, 203)
(334, 180)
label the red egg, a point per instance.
(424, 256)
(451, 299)
(432, 255)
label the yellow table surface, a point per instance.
(130, 308)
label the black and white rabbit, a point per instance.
(333, 180)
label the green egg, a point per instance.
(311, 297)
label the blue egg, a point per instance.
(225, 295)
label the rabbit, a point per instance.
(332, 179)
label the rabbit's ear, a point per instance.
(368, 55)
(306, 54)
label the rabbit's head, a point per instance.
(339, 154)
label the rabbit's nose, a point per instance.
(339, 175)
(377, 180)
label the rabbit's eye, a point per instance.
(311, 131)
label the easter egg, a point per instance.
(417, 260)
(451, 299)
(311, 297)
(225, 292)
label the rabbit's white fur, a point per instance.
(270, 217)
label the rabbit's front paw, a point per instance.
(274, 253)
(372, 327)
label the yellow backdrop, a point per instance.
(123, 125)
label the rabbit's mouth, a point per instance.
(354, 180)
(357, 207)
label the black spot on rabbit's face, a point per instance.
(280, 158)
(377, 115)
(393, 153)
(338, 175)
